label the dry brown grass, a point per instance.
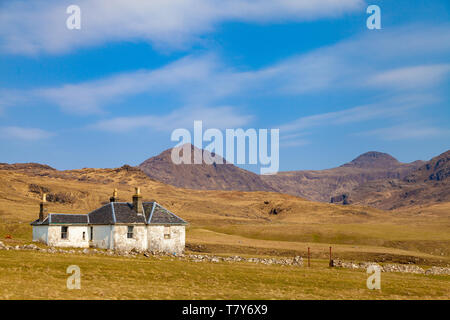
(34, 275)
(227, 222)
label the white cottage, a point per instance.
(116, 225)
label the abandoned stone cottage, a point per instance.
(117, 225)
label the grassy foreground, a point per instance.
(223, 222)
(35, 275)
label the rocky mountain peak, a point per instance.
(373, 159)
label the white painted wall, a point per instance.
(40, 233)
(102, 237)
(74, 237)
(139, 240)
(115, 237)
(157, 242)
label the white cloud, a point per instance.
(222, 117)
(388, 109)
(20, 133)
(183, 76)
(411, 77)
(203, 80)
(31, 27)
(294, 143)
(206, 81)
(407, 131)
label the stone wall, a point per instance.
(403, 268)
(295, 261)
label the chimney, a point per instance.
(43, 208)
(114, 196)
(137, 201)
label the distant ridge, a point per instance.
(374, 178)
(323, 185)
(429, 184)
(25, 166)
(320, 185)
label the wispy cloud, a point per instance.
(398, 109)
(27, 134)
(421, 76)
(392, 108)
(182, 76)
(407, 131)
(205, 80)
(39, 26)
(218, 117)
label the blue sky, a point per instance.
(112, 92)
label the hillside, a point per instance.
(83, 190)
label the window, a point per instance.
(130, 232)
(92, 234)
(84, 235)
(64, 231)
(166, 232)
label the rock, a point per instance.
(298, 261)
(85, 251)
(438, 271)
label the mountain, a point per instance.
(437, 169)
(323, 185)
(429, 184)
(373, 179)
(320, 185)
(203, 176)
(373, 159)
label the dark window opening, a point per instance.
(84, 235)
(130, 232)
(166, 232)
(64, 231)
(92, 234)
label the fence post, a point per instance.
(331, 260)
(309, 255)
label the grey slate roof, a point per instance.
(63, 218)
(102, 215)
(161, 215)
(125, 213)
(116, 212)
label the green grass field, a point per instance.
(35, 275)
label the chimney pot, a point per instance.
(137, 201)
(43, 211)
(114, 196)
